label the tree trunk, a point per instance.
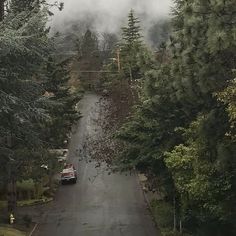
(2, 9)
(11, 195)
(118, 60)
(130, 73)
(174, 205)
(11, 185)
(180, 226)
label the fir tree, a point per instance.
(63, 112)
(131, 48)
(90, 59)
(89, 44)
(131, 33)
(24, 46)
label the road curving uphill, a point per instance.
(100, 203)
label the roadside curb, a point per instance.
(32, 231)
(146, 198)
(142, 188)
(37, 203)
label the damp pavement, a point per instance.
(100, 203)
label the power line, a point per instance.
(99, 71)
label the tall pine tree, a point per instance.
(130, 48)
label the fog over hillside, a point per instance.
(108, 15)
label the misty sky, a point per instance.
(109, 15)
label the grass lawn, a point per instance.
(5, 231)
(32, 202)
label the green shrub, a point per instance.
(25, 185)
(172, 233)
(25, 189)
(163, 214)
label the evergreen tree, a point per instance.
(130, 48)
(131, 33)
(18, 6)
(90, 59)
(19, 91)
(89, 44)
(63, 112)
(24, 46)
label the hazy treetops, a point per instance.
(109, 15)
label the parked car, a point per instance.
(69, 174)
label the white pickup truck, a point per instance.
(69, 174)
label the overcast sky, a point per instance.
(109, 15)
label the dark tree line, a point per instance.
(37, 108)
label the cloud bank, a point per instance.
(108, 15)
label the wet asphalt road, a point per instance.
(99, 204)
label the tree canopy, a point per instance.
(183, 130)
(28, 78)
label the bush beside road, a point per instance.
(7, 231)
